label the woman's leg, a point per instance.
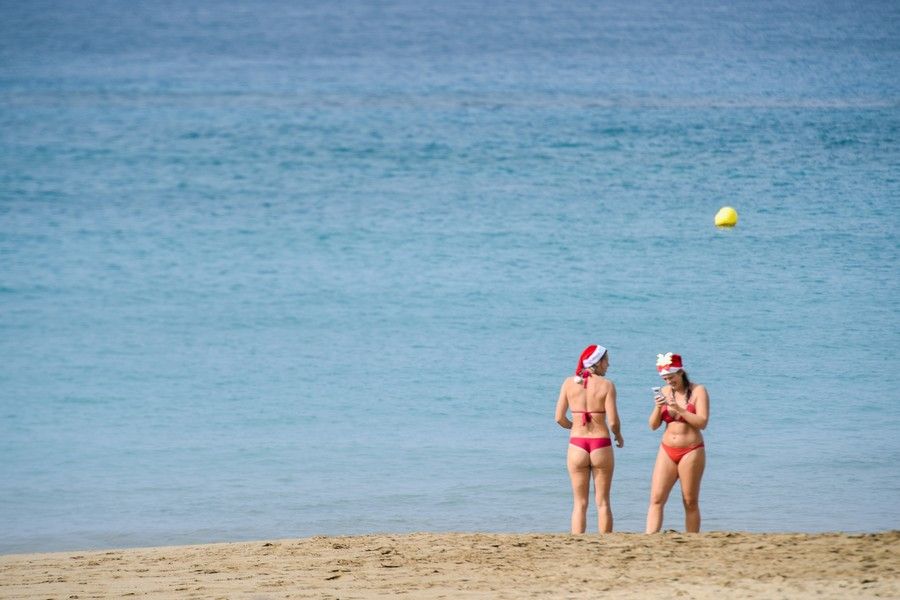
(578, 462)
(690, 471)
(602, 464)
(665, 474)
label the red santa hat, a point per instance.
(590, 357)
(668, 363)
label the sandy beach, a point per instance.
(458, 565)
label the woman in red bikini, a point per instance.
(684, 407)
(592, 400)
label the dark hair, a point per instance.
(687, 384)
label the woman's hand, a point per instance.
(660, 400)
(675, 409)
(620, 441)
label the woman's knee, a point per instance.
(580, 504)
(691, 502)
(658, 498)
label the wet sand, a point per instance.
(458, 565)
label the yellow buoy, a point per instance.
(726, 217)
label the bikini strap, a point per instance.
(582, 376)
(586, 415)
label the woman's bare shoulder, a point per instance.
(608, 384)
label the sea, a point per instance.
(288, 268)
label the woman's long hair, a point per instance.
(687, 383)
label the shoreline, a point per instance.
(476, 565)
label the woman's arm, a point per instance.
(701, 405)
(656, 415)
(561, 405)
(612, 413)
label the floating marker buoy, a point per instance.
(726, 217)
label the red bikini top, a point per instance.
(664, 413)
(586, 415)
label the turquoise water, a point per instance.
(283, 269)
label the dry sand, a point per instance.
(622, 565)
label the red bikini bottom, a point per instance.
(676, 454)
(590, 444)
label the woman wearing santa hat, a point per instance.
(684, 407)
(591, 398)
